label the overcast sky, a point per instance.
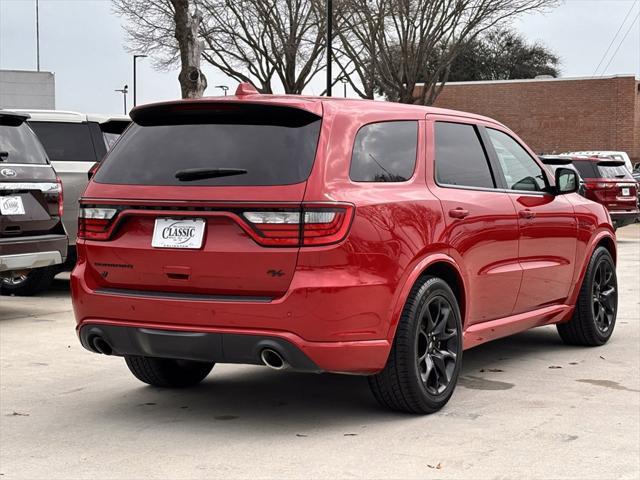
(82, 42)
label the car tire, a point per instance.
(168, 372)
(34, 282)
(424, 362)
(595, 314)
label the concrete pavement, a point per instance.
(525, 407)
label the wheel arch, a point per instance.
(439, 265)
(605, 239)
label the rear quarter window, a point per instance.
(69, 142)
(384, 152)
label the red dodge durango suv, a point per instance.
(331, 235)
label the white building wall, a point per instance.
(27, 89)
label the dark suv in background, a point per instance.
(74, 142)
(33, 242)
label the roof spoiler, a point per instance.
(554, 160)
(13, 119)
(611, 163)
(211, 111)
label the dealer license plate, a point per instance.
(178, 233)
(11, 206)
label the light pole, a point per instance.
(38, 34)
(224, 88)
(329, 44)
(135, 91)
(124, 92)
(344, 81)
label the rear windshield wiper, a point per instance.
(189, 174)
(3, 155)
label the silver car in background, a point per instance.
(74, 143)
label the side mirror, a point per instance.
(567, 181)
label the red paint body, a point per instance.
(340, 303)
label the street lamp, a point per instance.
(344, 81)
(329, 43)
(135, 91)
(38, 34)
(224, 88)
(124, 92)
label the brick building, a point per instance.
(558, 114)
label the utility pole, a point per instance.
(329, 44)
(124, 92)
(344, 81)
(135, 89)
(38, 34)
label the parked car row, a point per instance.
(36, 242)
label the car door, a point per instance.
(547, 225)
(481, 223)
(73, 148)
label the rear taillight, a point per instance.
(60, 197)
(94, 223)
(314, 225)
(598, 185)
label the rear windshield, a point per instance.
(66, 141)
(268, 145)
(618, 171)
(18, 144)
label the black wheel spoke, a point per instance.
(437, 345)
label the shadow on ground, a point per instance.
(287, 401)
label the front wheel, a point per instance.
(168, 372)
(597, 307)
(424, 362)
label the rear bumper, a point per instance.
(199, 346)
(621, 218)
(333, 329)
(32, 252)
(236, 346)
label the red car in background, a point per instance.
(609, 182)
(331, 235)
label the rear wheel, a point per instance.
(27, 283)
(168, 372)
(424, 363)
(596, 309)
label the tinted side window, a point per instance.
(460, 158)
(66, 141)
(520, 171)
(586, 168)
(385, 152)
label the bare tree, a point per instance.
(392, 45)
(168, 30)
(192, 81)
(257, 41)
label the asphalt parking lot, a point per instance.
(525, 407)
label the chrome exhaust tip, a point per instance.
(272, 359)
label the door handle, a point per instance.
(526, 213)
(458, 212)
